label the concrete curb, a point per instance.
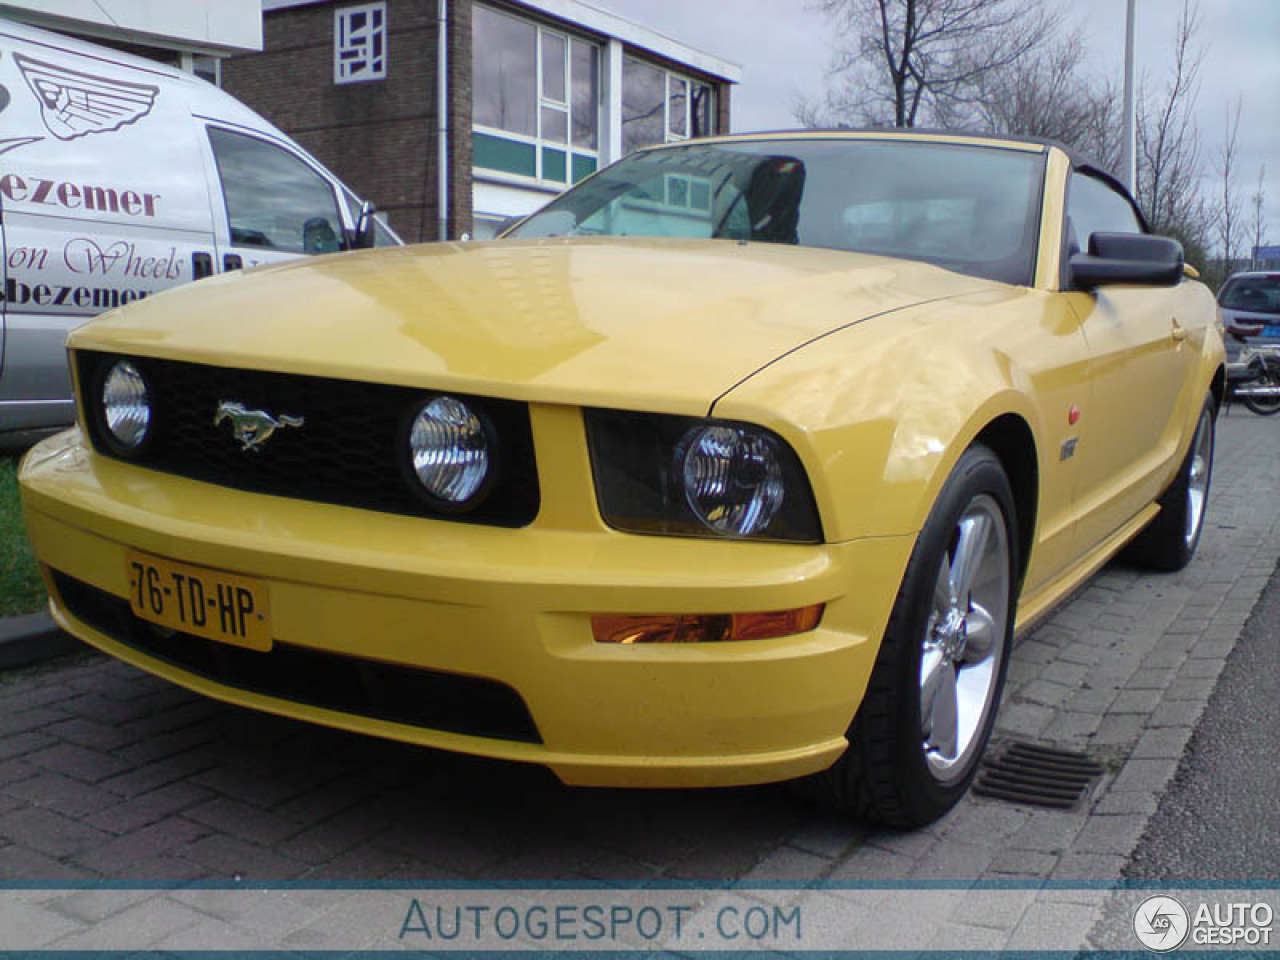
(33, 638)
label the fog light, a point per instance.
(704, 627)
(126, 405)
(449, 450)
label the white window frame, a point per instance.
(545, 102)
(668, 75)
(344, 14)
(690, 84)
(187, 62)
(538, 141)
(671, 79)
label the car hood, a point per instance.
(663, 325)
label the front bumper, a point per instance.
(510, 608)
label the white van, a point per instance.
(119, 178)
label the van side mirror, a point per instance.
(364, 236)
(1127, 258)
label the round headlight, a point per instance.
(449, 450)
(732, 478)
(126, 407)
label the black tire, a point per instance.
(1169, 541)
(1265, 408)
(889, 772)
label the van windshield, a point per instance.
(972, 209)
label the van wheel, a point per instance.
(1170, 540)
(915, 742)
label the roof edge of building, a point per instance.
(599, 21)
(190, 26)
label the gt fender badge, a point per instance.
(252, 428)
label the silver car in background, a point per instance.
(1249, 305)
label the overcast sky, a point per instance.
(784, 49)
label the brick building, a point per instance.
(537, 94)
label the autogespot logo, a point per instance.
(1161, 923)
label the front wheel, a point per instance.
(1170, 540)
(921, 729)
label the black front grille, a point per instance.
(421, 698)
(351, 450)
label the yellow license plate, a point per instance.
(209, 603)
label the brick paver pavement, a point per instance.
(106, 772)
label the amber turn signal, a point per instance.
(704, 627)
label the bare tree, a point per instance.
(905, 61)
(1004, 66)
(1228, 216)
(1258, 220)
(1104, 125)
(1168, 145)
(1048, 93)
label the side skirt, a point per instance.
(1035, 608)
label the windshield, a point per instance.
(972, 209)
(1254, 294)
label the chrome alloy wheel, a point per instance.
(1198, 477)
(964, 639)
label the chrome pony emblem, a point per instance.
(252, 428)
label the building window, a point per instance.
(536, 99)
(207, 68)
(659, 106)
(360, 43)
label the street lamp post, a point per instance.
(1129, 155)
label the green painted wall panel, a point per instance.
(583, 166)
(497, 153)
(553, 165)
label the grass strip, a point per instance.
(21, 589)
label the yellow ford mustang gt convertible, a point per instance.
(742, 461)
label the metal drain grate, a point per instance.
(1029, 773)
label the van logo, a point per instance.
(75, 104)
(11, 143)
(252, 428)
(79, 195)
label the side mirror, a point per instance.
(1127, 258)
(364, 237)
